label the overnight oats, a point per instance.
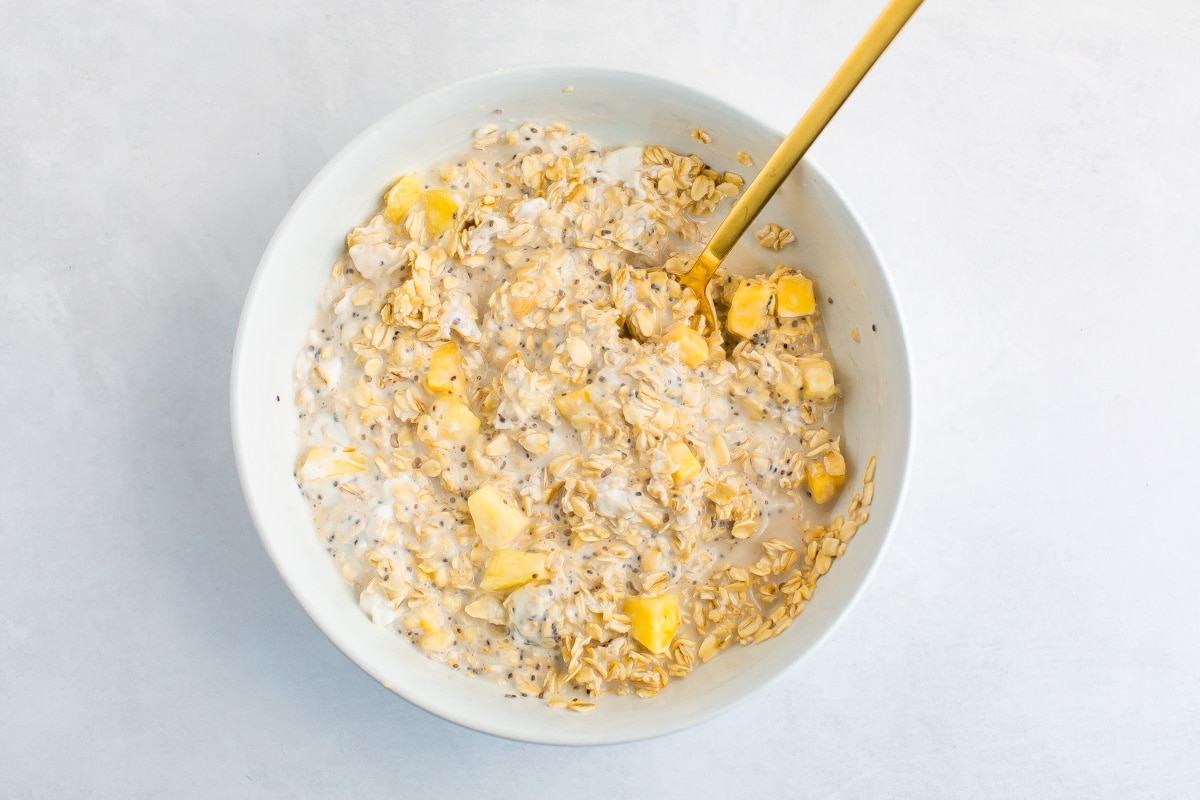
(525, 449)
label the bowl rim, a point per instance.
(261, 518)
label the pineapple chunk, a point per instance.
(330, 462)
(692, 346)
(400, 199)
(573, 402)
(445, 370)
(684, 465)
(818, 380)
(440, 207)
(577, 409)
(496, 522)
(748, 309)
(508, 569)
(653, 621)
(794, 296)
(821, 485)
(454, 419)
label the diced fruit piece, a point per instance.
(445, 370)
(794, 296)
(692, 346)
(684, 465)
(496, 521)
(573, 402)
(653, 621)
(818, 380)
(330, 462)
(400, 199)
(748, 309)
(454, 419)
(821, 485)
(440, 207)
(577, 409)
(508, 569)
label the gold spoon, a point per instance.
(792, 149)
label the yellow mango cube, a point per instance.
(330, 462)
(577, 409)
(445, 370)
(573, 402)
(684, 464)
(508, 569)
(794, 296)
(454, 419)
(748, 309)
(818, 380)
(821, 485)
(440, 207)
(653, 621)
(496, 521)
(400, 199)
(692, 346)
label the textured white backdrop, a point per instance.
(1030, 172)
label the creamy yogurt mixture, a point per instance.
(528, 452)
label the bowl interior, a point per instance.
(615, 109)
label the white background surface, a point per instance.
(1030, 172)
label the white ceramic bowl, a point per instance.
(615, 108)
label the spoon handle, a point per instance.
(796, 143)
